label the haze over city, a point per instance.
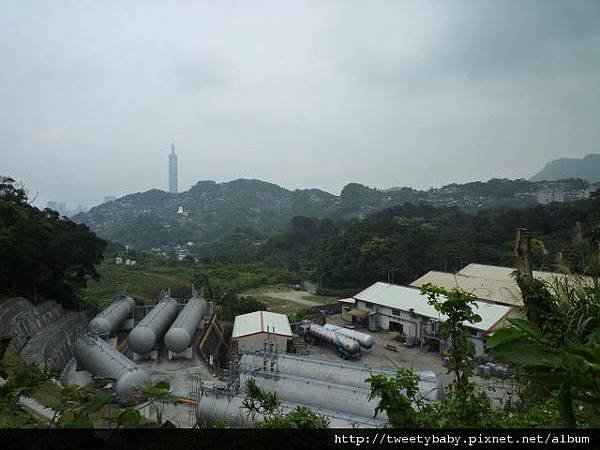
(302, 94)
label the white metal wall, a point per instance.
(257, 341)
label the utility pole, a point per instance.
(523, 254)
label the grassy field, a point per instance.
(147, 279)
(281, 306)
(284, 300)
(143, 281)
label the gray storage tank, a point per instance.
(110, 320)
(344, 399)
(99, 358)
(213, 406)
(335, 372)
(365, 340)
(345, 345)
(179, 337)
(146, 334)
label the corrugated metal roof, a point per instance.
(499, 291)
(505, 273)
(490, 283)
(406, 298)
(258, 321)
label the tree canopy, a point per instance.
(43, 254)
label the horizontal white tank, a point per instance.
(110, 320)
(146, 334)
(179, 337)
(336, 371)
(214, 407)
(348, 345)
(315, 393)
(365, 340)
(101, 359)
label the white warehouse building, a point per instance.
(404, 309)
(250, 330)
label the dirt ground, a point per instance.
(412, 358)
(282, 299)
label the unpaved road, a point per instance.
(291, 296)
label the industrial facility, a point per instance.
(208, 363)
(338, 391)
(404, 310)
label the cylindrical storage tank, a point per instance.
(322, 334)
(336, 372)
(364, 340)
(179, 337)
(344, 399)
(213, 407)
(146, 334)
(112, 317)
(99, 358)
(327, 370)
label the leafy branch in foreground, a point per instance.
(22, 382)
(465, 405)
(78, 404)
(397, 395)
(456, 306)
(571, 370)
(260, 402)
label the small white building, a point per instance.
(118, 260)
(404, 309)
(250, 330)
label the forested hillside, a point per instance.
(401, 243)
(43, 255)
(210, 211)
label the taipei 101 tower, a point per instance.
(172, 170)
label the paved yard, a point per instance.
(412, 358)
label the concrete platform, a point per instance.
(188, 353)
(151, 355)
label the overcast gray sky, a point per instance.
(299, 93)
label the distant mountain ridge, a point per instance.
(209, 210)
(587, 169)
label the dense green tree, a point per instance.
(402, 243)
(42, 253)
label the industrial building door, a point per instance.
(395, 326)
